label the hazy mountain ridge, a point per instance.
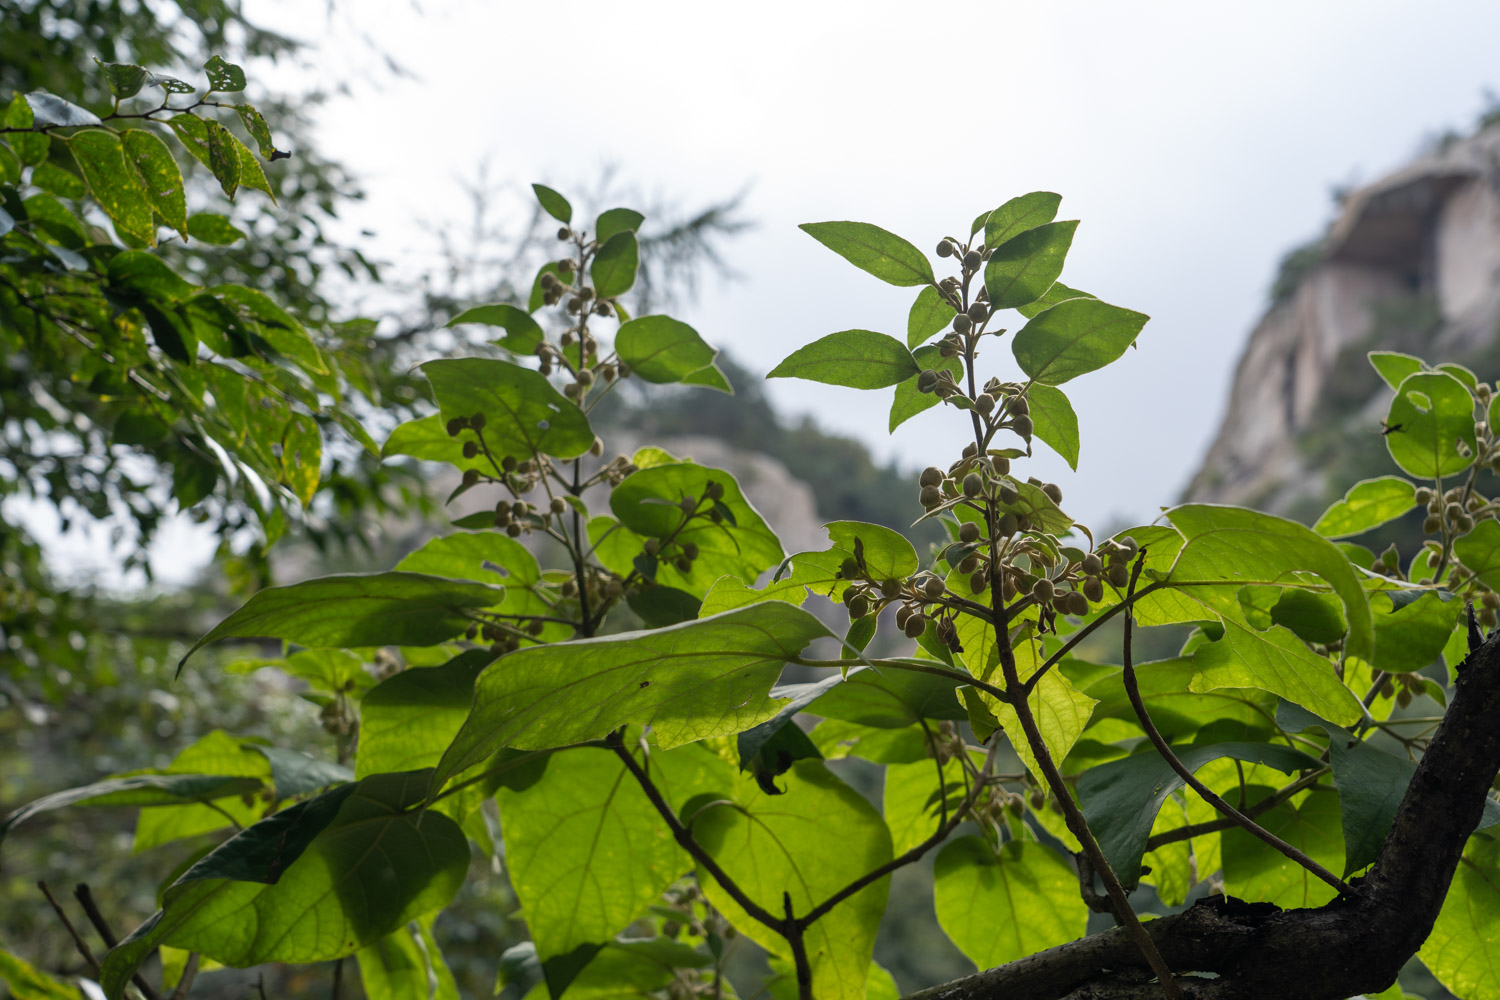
(1410, 263)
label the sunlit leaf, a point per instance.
(870, 248)
(1000, 907)
(861, 359)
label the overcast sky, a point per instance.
(1196, 142)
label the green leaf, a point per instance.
(1460, 951)
(171, 84)
(586, 851)
(255, 124)
(1019, 215)
(691, 681)
(122, 79)
(526, 415)
(1059, 292)
(741, 543)
(138, 790)
(870, 248)
(50, 177)
(1002, 907)
(206, 227)
(1245, 547)
(313, 883)
(1273, 660)
(659, 607)
(115, 185)
(1258, 873)
(215, 753)
(160, 177)
(1178, 711)
(223, 77)
(616, 220)
(27, 982)
(522, 334)
(192, 132)
(223, 156)
(408, 719)
(370, 609)
(1367, 505)
(1074, 337)
(1479, 550)
(929, 315)
(908, 402)
(30, 149)
(1430, 426)
(49, 110)
(251, 173)
(147, 275)
(886, 699)
(1054, 421)
(1021, 269)
(914, 803)
(553, 203)
(775, 845)
(1394, 367)
(428, 439)
(406, 965)
(294, 773)
(273, 324)
(861, 359)
(1412, 637)
(1121, 798)
(614, 266)
(661, 349)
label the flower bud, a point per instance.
(1119, 574)
(984, 403)
(931, 476)
(558, 505)
(927, 380)
(931, 496)
(1043, 590)
(1091, 564)
(973, 485)
(849, 570)
(1077, 604)
(1022, 426)
(915, 625)
(945, 249)
(979, 582)
(859, 606)
(1093, 590)
(455, 426)
(470, 449)
(1053, 491)
(471, 477)
(1008, 525)
(714, 491)
(968, 532)
(933, 587)
(597, 448)
(565, 233)
(961, 323)
(1008, 494)
(973, 259)
(890, 589)
(652, 546)
(979, 312)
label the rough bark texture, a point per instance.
(1352, 945)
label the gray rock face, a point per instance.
(1430, 229)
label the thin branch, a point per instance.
(1083, 634)
(1214, 826)
(1133, 690)
(189, 973)
(916, 666)
(797, 938)
(685, 838)
(914, 854)
(85, 897)
(78, 941)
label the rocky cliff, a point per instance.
(1411, 263)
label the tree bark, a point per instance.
(1225, 949)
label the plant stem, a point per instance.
(1133, 690)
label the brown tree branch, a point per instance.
(1355, 944)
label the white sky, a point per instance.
(1196, 141)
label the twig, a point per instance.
(78, 941)
(685, 838)
(189, 973)
(1133, 690)
(1083, 634)
(85, 897)
(1215, 825)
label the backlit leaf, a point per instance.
(553, 203)
(1074, 337)
(115, 185)
(614, 266)
(870, 248)
(372, 609)
(522, 334)
(661, 349)
(1019, 215)
(861, 359)
(1367, 505)
(1021, 269)
(1002, 907)
(1054, 421)
(1430, 426)
(525, 415)
(929, 315)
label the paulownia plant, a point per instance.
(1312, 768)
